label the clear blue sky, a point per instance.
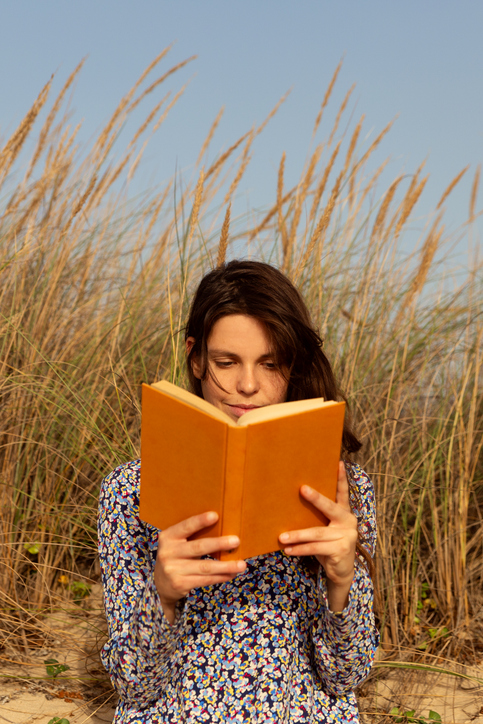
(419, 59)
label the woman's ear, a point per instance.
(194, 361)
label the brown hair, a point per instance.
(263, 292)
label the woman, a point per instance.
(282, 637)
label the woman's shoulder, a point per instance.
(123, 481)
(361, 491)
(360, 478)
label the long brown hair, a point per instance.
(261, 291)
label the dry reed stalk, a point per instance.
(428, 251)
(107, 179)
(274, 110)
(374, 145)
(474, 193)
(224, 156)
(319, 229)
(322, 184)
(157, 125)
(14, 145)
(451, 186)
(352, 145)
(300, 197)
(148, 120)
(327, 96)
(246, 158)
(282, 229)
(108, 136)
(45, 130)
(84, 197)
(210, 135)
(363, 193)
(224, 237)
(157, 207)
(383, 209)
(196, 206)
(158, 82)
(340, 112)
(409, 202)
(124, 103)
(269, 216)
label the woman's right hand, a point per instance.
(178, 567)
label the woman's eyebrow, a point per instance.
(226, 353)
(223, 353)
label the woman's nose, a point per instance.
(248, 381)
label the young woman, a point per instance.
(283, 637)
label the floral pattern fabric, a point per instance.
(263, 647)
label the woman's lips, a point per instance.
(239, 410)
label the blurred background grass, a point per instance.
(94, 289)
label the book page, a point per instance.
(283, 409)
(193, 400)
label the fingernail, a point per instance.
(307, 489)
(241, 565)
(212, 516)
(233, 541)
(288, 550)
(284, 537)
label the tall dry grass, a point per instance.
(93, 294)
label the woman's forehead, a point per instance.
(237, 331)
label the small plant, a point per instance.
(441, 632)
(53, 668)
(80, 590)
(408, 716)
(32, 548)
(57, 720)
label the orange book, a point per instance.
(195, 458)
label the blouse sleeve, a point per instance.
(140, 653)
(345, 643)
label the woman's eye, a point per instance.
(224, 364)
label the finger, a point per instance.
(207, 546)
(312, 535)
(209, 567)
(185, 528)
(335, 512)
(324, 549)
(342, 495)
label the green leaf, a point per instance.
(56, 720)
(434, 716)
(32, 548)
(53, 668)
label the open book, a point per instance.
(195, 458)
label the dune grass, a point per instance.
(94, 290)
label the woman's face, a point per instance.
(242, 363)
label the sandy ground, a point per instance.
(457, 700)
(82, 693)
(79, 694)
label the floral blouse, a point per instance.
(263, 647)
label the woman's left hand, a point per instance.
(334, 545)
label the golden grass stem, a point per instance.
(224, 237)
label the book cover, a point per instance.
(194, 458)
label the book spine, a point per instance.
(233, 493)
